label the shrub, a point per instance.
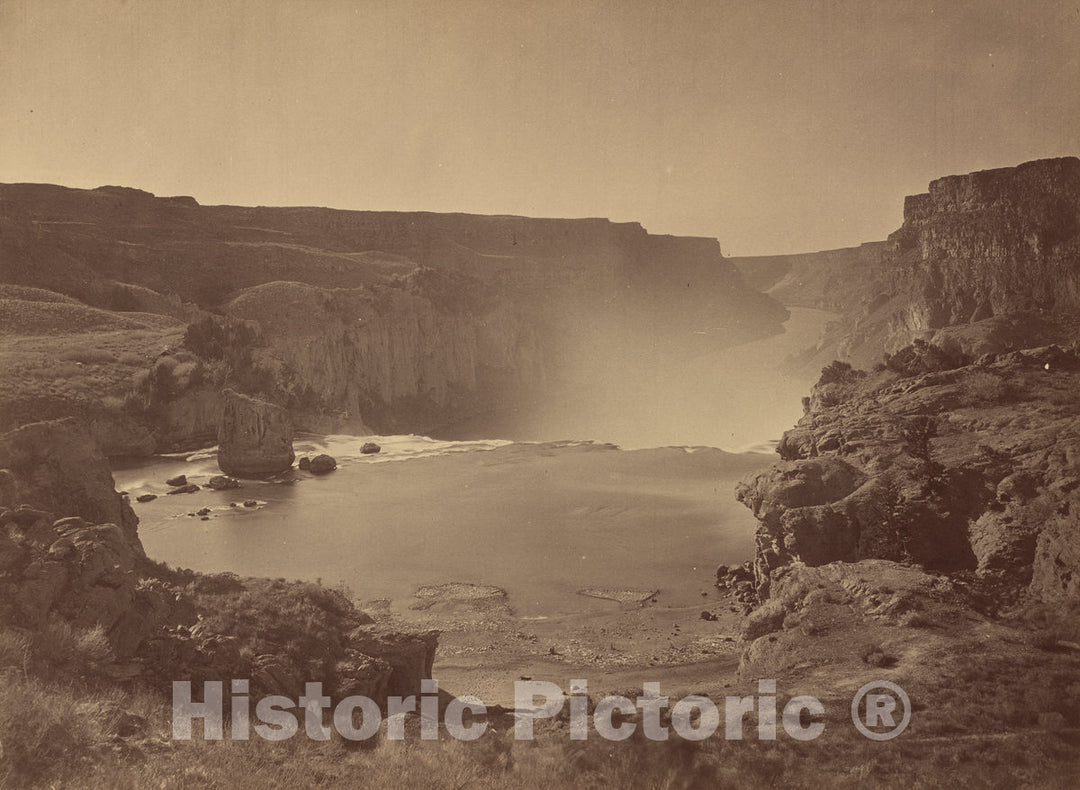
(14, 649)
(837, 372)
(1045, 639)
(61, 649)
(216, 337)
(304, 623)
(921, 357)
(113, 404)
(65, 370)
(982, 387)
(89, 356)
(875, 656)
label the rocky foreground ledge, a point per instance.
(71, 563)
(935, 493)
(934, 460)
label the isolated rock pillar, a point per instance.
(254, 437)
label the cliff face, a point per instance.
(70, 558)
(834, 280)
(254, 437)
(985, 245)
(991, 242)
(388, 360)
(382, 320)
(56, 467)
(957, 452)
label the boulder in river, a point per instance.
(321, 464)
(179, 480)
(370, 448)
(254, 437)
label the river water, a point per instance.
(540, 519)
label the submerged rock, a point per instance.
(304, 464)
(190, 488)
(222, 483)
(254, 437)
(179, 480)
(146, 497)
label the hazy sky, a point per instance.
(773, 126)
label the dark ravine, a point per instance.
(354, 321)
(833, 280)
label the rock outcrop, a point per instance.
(82, 573)
(987, 245)
(322, 464)
(254, 438)
(222, 483)
(56, 467)
(849, 619)
(971, 468)
(66, 571)
(359, 321)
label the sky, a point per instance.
(775, 127)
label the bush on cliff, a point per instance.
(837, 372)
(838, 383)
(166, 379)
(303, 622)
(217, 337)
(921, 357)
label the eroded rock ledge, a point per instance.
(939, 462)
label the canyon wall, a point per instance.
(991, 244)
(833, 280)
(382, 321)
(957, 447)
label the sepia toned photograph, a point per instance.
(546, 394)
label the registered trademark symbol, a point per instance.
(880, 710)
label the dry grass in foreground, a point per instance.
(64, 725)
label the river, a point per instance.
(540, 519)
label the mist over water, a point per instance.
(641, 386)
(539, 520)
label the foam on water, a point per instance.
(347, 449)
